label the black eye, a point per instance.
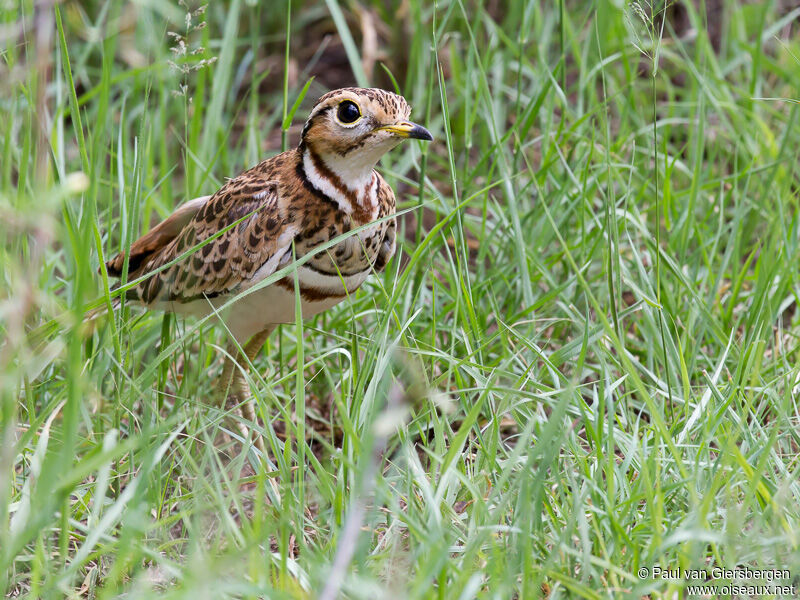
(348, 112)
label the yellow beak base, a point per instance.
(407, 129)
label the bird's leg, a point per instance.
(239, 386)
(224, 379)
(232, 383)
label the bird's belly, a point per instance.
(271, 305)
(275, 303)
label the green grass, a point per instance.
(581, 364)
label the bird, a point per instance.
(214, 248)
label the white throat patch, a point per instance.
(356, 183)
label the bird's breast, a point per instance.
(350, 260)
(337, 284)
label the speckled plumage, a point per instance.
(304, 197)
(279, 208)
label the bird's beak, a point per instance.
(407, 129)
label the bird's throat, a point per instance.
(348, 183)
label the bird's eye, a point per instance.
(348, 112)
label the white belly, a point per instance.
(274, 304)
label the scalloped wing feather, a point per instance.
(227, 262)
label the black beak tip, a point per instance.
(418, 132)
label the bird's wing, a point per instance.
(157, 238)
(245, 253)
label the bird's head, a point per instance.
(351, 128)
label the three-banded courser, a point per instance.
(290, 204)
